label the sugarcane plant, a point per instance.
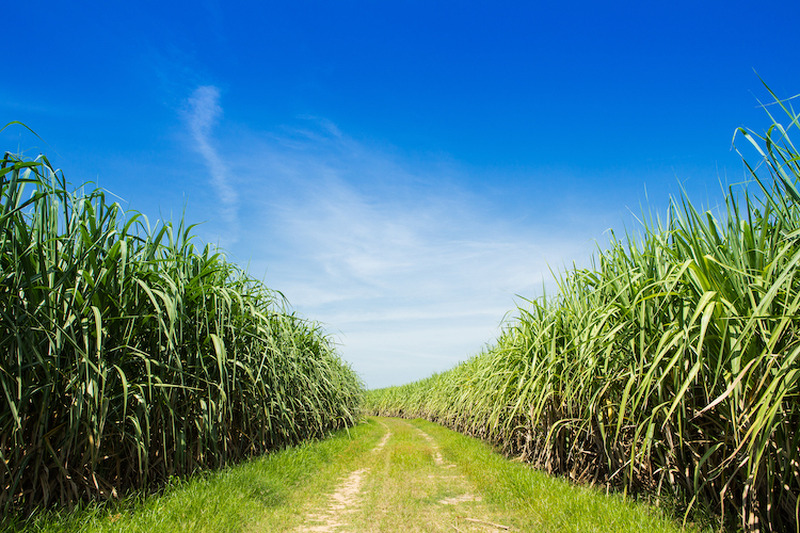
(130, 354)
(670, 366)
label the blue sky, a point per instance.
(401, 171)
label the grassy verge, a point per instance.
(264, 494)
(407, 489)
(530, 500)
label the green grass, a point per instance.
(671, 367)
(402, 491)
(538, 502)
(263, 494)
(129, 355)
(405, 488)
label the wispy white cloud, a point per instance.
(202, 113)
(408, 269)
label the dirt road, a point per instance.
(404, 484)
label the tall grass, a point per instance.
(671, 366)
(129, 355)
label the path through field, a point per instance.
(403, 484)
(383, 475)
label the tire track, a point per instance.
(344, 499)
(438, 459)
(404, 484)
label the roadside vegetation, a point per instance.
(261, 494)
(530, 500)
(670, 367)
(130, 355)
(413, 476)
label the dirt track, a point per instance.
(404, 485)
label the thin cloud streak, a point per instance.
(202, 115)
(409, 272)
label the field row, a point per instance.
(671, 366)
(128, 355)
